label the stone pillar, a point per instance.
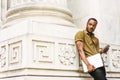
(36, 42)
(57, 9)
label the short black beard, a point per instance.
(88, 31)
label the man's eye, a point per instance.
(90, 24)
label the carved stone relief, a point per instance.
(105, 59)
(43, 51)
(116, 58)
(66, 54)
(3, 56)
(15, 52)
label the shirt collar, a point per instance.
(88, 33)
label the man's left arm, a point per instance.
(105, 49)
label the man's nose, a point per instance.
(91, 26)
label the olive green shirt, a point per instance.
(90, 42)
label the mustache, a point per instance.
(92, 28)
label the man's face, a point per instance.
(91, 25)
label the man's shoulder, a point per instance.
(81, 31)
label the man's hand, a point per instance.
(105, 49)
(91, 68)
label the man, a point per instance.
(87, 44)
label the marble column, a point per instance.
(22, 9)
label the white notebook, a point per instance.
(95, 60)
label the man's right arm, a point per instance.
(79, 45)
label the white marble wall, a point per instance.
(109, 21)
(107, 14)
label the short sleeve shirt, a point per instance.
(90, 42)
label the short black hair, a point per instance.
(93, 19)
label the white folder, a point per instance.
(95, 60)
